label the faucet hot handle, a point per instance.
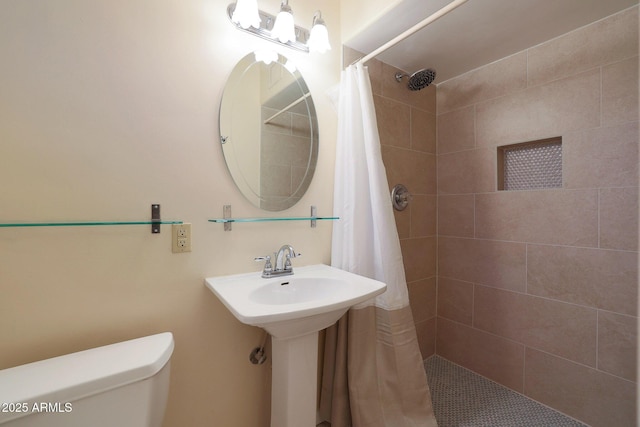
(267, 265)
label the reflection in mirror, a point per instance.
(269, 131)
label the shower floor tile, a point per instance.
(462, 398)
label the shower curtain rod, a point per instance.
(293, 104)
(420, 25)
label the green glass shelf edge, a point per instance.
(83, 223)
(310, 218)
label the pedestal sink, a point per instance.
(293, 309)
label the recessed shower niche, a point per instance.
(530, 165)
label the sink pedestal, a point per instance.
(293, 309)
(294, 381)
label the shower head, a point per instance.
(420, 79)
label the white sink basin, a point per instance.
(311, 299)
(296, 290)
(293, 309)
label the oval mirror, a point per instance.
(269, 131)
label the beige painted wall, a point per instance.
(106, 108)
(538, 289)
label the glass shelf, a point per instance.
(228, 220)
(309, 218)
(83, 223)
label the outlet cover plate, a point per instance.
(180, 238)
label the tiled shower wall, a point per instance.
(407, 128)
(538, 290)
(284, 156)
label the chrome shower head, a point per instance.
(418, 80)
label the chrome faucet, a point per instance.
(283, 262)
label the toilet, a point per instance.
(124, 384)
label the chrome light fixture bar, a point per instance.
(266, 27)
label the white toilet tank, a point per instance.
(124, 384)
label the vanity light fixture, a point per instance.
(246, 14)
(319, 38)
(280, 29)
(284, 29)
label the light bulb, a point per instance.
(319, 37)
(246, 14)
(284, 29)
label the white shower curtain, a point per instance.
(373, 374)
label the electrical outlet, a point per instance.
(181, 238)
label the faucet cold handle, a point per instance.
(287, 262)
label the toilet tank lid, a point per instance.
(85, 373)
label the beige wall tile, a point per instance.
(423, 130)
(583, 87)
(456, 215)
(619, 218)
(275, 180)
(375, 75)
(498, 264)
(403, 223)
(496, 358)
(279, 124)
(422, 296)
(620, 92)
(423, 215)
(471, 171)
(455, 300)
(617, 344)
(594, 397)
(415, 169)
(541, 111)
(594, 277)
(393, 122)
(350, 55)
(374, 67)
(602, 42)
(426, 332)
(425, 172)
(300, 125)
(559, 328)
(497, 79)
(419, 257)
(285, 150)
(551, 216)
(456, 130)
(397, 165)
(602, 157)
